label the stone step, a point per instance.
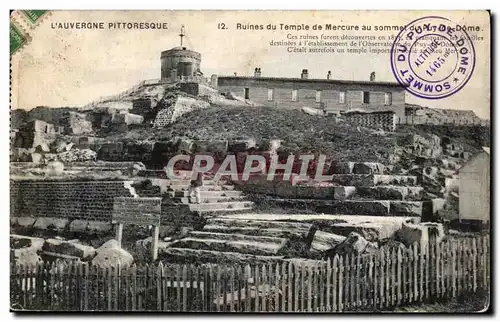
(354, 207)
(188, 200)
(369, 180)
(378, 193)
(256, 220)
(282, 229)
(262, 247)
(219, 193)
(201, 256)
(372, 228)
(187, 182)
(236, 237)
(222, 206)
(224, 187)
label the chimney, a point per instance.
(329, 75)
(304, 74)
(372, 77)
(256, 73)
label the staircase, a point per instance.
(213, 197)
(364, 199)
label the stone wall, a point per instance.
(88, 200)
(376, 120)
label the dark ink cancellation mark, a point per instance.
(433, 58)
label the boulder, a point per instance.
(355, 244)
(45, 223)
(42, 223)
(111, 254)
(54, 168)
(99, 227)
(241, 145)
(42, 148)
(186, 146)
(23, 242)
(26, 256)
(343, 192)
(26, 222)
(35, 158)
(69, 248)
(78, 225)
(324, 241)
(59, 223)
(412, 233)
(368, 168)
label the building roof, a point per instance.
(313, 80)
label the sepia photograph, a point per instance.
(250, 161)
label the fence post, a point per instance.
(400, 281)
(289, 279)
(340, 284)
(358, 280)
(439, 272)
(347, 282)
(328, 284)
(283, 287)
(453, 267)
(231, 286)
(460, 265)
(248, 297)
(296, 287)
(394, 278)
(388, 278)
(486, 245)
(309, 288)
(116, 281)
(381, 274)
(264, 288)
(133, 293)
(159, 287)
(335, 269)
(185, 287)
(316, 286)
(474, 265)
(277, 287)
(257, 290)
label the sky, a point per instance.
(72, 67)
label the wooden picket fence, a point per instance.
(382, 281)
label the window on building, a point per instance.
(318, 96)
(294, 95)
(270, 94)
(366, 97)
(247, 93)
(388, 98)
(341, 97)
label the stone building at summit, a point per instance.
(181, 65)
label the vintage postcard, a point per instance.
(250, 161)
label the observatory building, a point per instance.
(180, 63)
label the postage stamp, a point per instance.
(18, 38)
(433, 57)
(34, 16)
(250, 161)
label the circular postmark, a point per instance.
(433, 57)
